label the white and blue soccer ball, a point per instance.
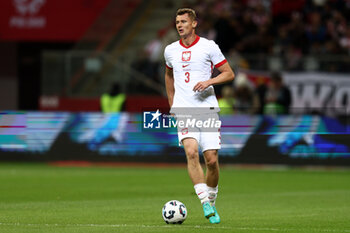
(174, 212)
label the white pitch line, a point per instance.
(169, 226)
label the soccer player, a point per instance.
(189, 66)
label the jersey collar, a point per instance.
(193, 43)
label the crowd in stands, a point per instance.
(300, 34)
(292, 29)
(270, 98)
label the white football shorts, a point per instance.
(204, 128)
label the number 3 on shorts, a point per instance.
(187, 74)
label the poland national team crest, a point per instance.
(186, 55)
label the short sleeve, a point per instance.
(167, 58)
(216, 55)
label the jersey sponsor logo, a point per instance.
(186, 55)
(183, 66)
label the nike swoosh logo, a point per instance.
(183, 66)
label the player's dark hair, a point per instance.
(191, 13)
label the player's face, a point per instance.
(185, 25)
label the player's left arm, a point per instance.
(226, 75)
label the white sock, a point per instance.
(213, 193)
(202, 192)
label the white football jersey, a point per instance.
(190, 65)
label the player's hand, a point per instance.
(201, 86)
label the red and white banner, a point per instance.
(47, 20)
(132, 103)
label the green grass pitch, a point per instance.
(43, 198)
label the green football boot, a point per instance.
(216, 218)
(208, 210)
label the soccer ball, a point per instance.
(174, 212)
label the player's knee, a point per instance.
(212, 162)
(192, 154)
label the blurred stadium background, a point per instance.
(58, 58)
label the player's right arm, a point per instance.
(169, 85)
